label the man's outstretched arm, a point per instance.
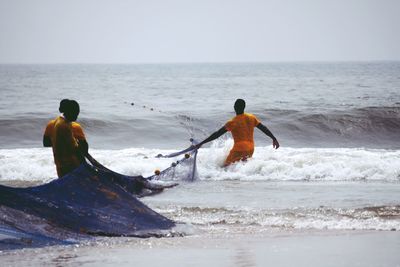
(212, 137)
(265, 130)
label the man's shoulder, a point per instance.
(49, 127)
(59, 119)
(250, 116)
(254, 118)
(77, 130)
(62, 123)
(51, 122)
(76, 125)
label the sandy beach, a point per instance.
(272, 248)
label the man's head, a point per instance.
(239, 106)
(70, 109)
(63, 104)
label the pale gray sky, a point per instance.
(123, 31)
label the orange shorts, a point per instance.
(235, 156)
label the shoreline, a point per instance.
(275, 247)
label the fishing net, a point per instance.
(183, 169)
(91, 200)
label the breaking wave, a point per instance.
(35, 166)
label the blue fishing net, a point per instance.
(90, 201)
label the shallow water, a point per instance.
(336, 248)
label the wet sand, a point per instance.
(272, 248)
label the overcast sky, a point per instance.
(152, 31)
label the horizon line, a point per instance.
(202, 62)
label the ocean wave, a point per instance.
(367, 218)
(110, 131)
(355, 121)
(19, 166)
(373, 127)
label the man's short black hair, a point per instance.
(63, 104)
(71, 110)
(239, 106)
(72, 106)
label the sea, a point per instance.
(338, 124)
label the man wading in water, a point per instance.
(242, 129)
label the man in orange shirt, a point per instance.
(242, 129)
(66, 137)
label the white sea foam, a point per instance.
(34, 164)
(294, 218)
(313, 164)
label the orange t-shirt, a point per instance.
(64, 136)
(242, 129)
(76, 130)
